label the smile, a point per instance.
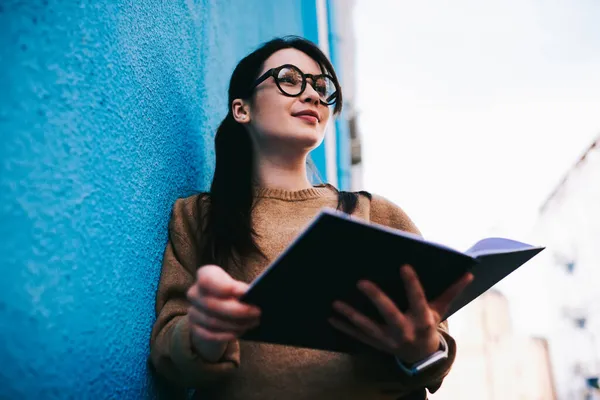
(308, 118)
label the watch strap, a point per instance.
(433, 359)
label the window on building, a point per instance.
(356, 148)
(580, 322)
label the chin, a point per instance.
(309, 139)
(301, 138)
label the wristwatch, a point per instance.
(433, 359)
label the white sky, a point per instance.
(472, 111)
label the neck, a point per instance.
(279, 171)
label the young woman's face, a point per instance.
(279, 119)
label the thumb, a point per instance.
(443, 302)
(232, 286)
(213, 280)
(239, 288)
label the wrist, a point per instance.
(432, 359)
(418, 355)
(211, 351)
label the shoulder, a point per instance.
(191, 207)
(188, 214)
(376, 209)
(385, 212)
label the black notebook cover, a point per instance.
(296, 292)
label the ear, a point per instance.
(241, 111)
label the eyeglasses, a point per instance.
(291, 81)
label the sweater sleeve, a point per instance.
(171, 350)
(385, 212)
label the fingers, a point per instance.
(227, 309)
(409, 335)
(215, 312)
(205, 334)
(443, 302)
(355, 333)
(213, 280)
(216, 293)
(414, 291)
(386, 307)
(215, 324)
(364, 324)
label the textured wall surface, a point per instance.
(107, 114)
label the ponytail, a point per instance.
(229, 220)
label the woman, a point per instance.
(281, 97)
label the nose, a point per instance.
(310, 95)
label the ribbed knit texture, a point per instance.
(251, 370)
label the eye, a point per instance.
(324, 86)
(289, 76)
(321, 87)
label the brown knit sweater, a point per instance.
(251, 370)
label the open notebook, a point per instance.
(335, 251)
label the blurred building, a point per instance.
(346, 172)
(562, 290)
(569, 225)
(493, 363)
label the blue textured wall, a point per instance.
(107, 114)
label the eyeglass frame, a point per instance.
(274, 72)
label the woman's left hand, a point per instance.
(410, 336)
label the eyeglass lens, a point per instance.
(290, 81)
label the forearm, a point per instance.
(175, 358)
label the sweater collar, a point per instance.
(295, 195)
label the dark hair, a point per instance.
(227, 231)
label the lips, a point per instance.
(308, 115)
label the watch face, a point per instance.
(433, 359)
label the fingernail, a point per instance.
(256, 311)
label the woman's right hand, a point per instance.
(216, 315)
